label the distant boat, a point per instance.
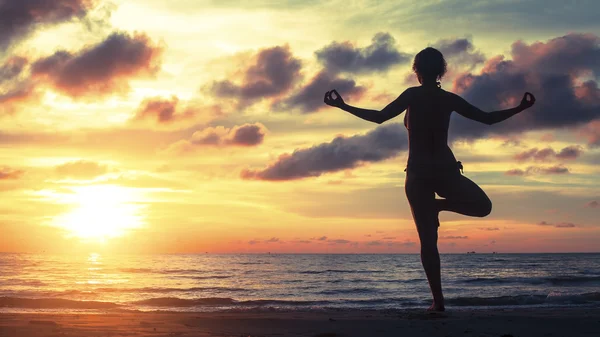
(473, 252)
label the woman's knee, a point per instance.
(484, 208)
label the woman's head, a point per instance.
(429, 65)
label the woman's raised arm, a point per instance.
(464, 108)
(376, 116)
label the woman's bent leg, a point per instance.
(462, 196)
(422, 202)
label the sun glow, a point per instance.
(101, 212)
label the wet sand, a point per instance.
(497, 323)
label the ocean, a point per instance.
(209, 282)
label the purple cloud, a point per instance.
(273, 73)
(558, 225)
(384, 142)
(20, 18)
(309, 98)
(548, 69)
(102, 69)
(379, 56)
(533, 170)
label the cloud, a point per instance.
(379, 56)
(273, 240)
(489, 228)
(551, 70)
(12, 68)
(9, 174)
(406, 243)
(322, 238)
(339, 242)
(592, 204)
(20, 18)
(162, 110)
(378, 243)
(81, 169)
(246, 135)
(273, 72)
(389, 238)
(15, 87)
(384, 142)
(558, 225)
(168, 112)
(570, 152)
(460, 51)
(13, 97)
(301, 241)
(102, 69)
(339, 58)
(567, 153)
(532, 170)
(309, 98)
(591, 131)
(452, 237)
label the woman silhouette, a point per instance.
(432, 167)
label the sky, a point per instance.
(145, 126)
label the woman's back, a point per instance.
(427, 120)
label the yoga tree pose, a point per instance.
(431, 166)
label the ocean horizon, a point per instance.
(292, 282)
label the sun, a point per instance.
(101, 212)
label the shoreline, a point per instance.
(530, 322)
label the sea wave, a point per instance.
(340, 271)
(176, 302)
(347, 291)
(169, 272)
(53, 303)
(222, 303)
(557, 281)
(157, 290)
(552, 298)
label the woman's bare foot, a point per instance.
(436, 307)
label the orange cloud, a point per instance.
(81, 169)
(9, 174)
(244, 135)
(171, 111)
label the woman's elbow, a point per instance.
(381, 118)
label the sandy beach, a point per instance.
(494, 323)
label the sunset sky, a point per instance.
(182, 126)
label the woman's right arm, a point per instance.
(464, 108)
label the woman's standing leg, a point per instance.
(421, 198)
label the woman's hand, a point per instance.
(337, 102)
(526, 104)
